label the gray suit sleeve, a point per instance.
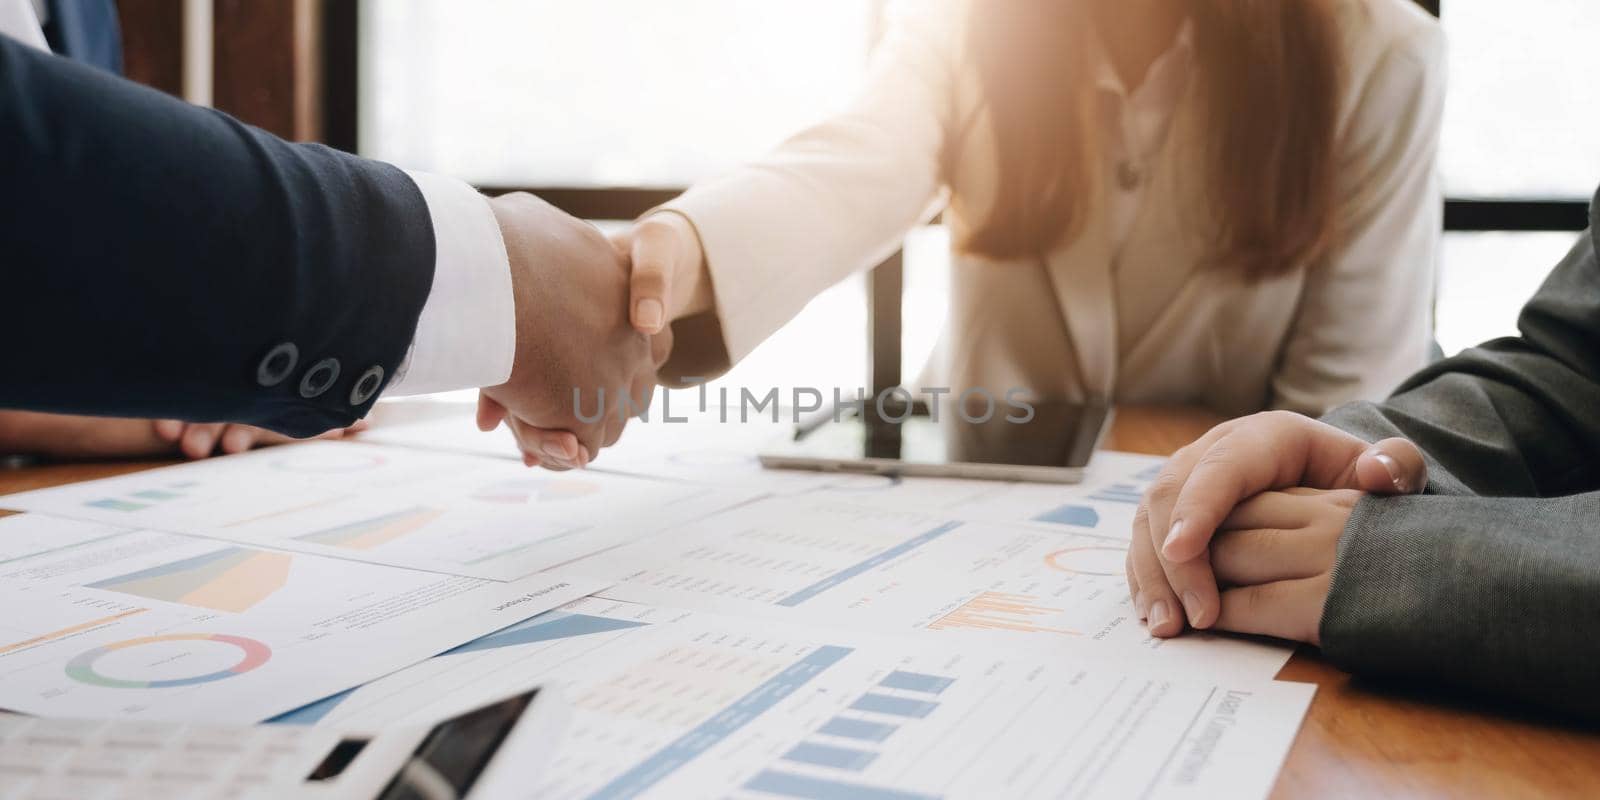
(1490, 580)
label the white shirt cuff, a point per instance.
(24, 21)
(467, 334)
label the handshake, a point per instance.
(592, 326)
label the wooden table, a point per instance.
(1361, 739)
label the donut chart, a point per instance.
(1097, 560)
(82, 666)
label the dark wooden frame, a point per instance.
(152, 43)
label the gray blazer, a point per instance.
(1489, 581)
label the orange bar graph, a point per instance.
(998, 611)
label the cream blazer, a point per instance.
(839, 197)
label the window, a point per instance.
(1520, 125)
(1521, 119)
(622, 93)
(606, 96)
(602, 93)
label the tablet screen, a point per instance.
(1048, 434)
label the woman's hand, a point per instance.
(202, 439)
(1169, 563)
(669, 276)
(1274, 557)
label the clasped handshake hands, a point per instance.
(592, 326)
(1241, 529)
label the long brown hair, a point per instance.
(1268, 73)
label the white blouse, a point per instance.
(1125, 311)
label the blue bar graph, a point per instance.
(898, 706)
(827, 755)
(916, 682)
(862, 729)
(1081, 516)
(804, 787)
(721, 725)
(882, 558)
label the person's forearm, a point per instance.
(182, 264)
(1499, 596)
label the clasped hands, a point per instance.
(1240, 531)
(592, 325)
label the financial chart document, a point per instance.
(701, 448)
(707, 450)
(679, 704)
(476, 517)
(1055, 588)
(109, 622)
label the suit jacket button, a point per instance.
(366, 386)
(317, 379)
(277, 364)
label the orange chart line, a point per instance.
(69, 631)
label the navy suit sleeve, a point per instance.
(165, 260)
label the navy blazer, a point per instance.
(165, 260)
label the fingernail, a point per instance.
(528, 460)
(648, 313)
(1393, 468)
(1191, 606)
(1172, 536)
(1159, 614)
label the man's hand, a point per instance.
(571, 292)
(201, 439)
(67, 436)
(1170, 564)
(667, 280)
